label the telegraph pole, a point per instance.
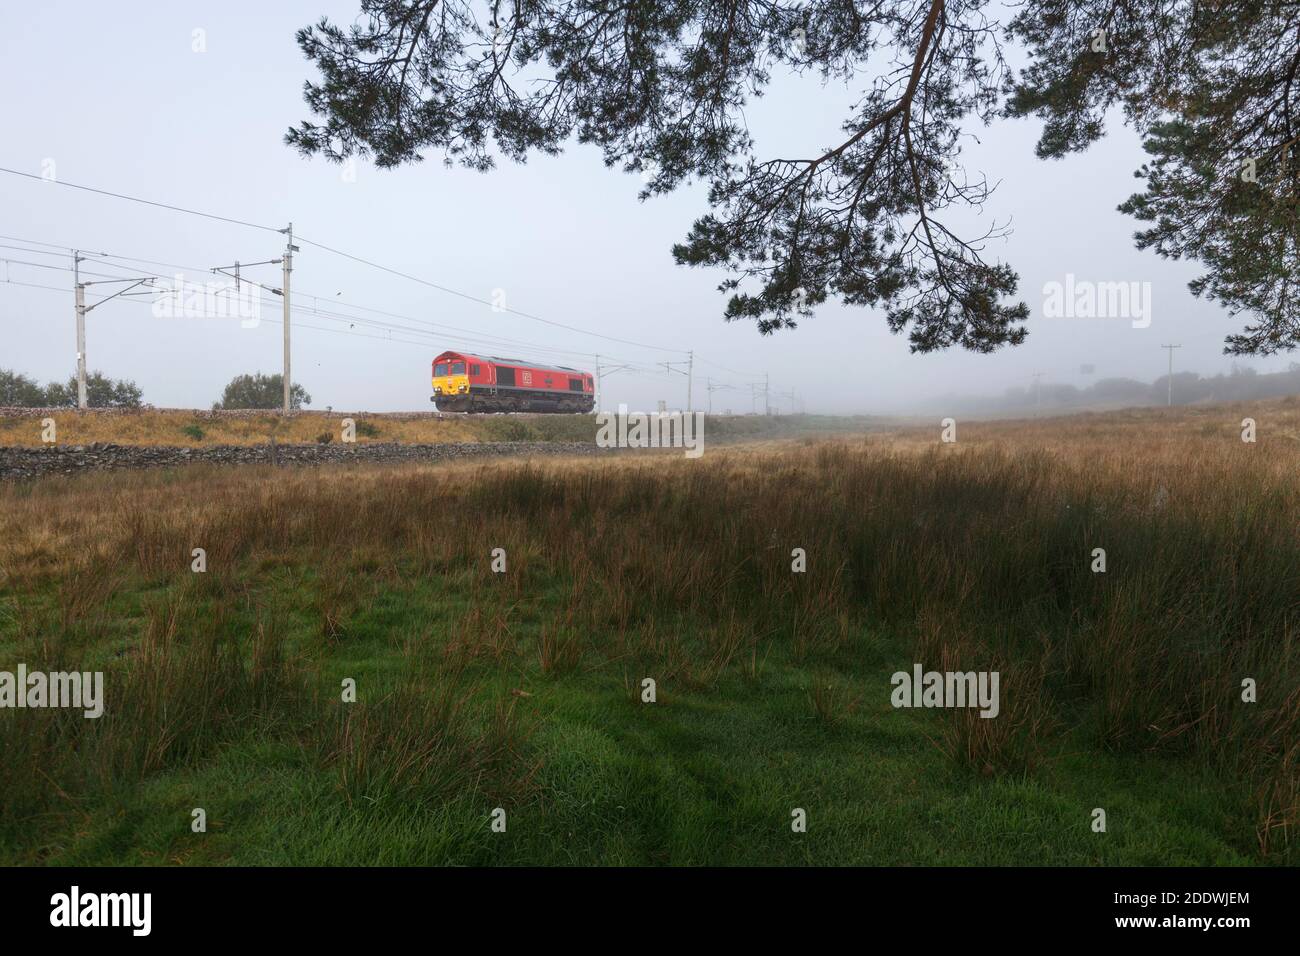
(767, 396)
(601, 373)
(1171, 348)
(669, 367)
(81, 328)
(237, 275)
(712, 387)
(82, 309)
(289, 250)
(690, 379)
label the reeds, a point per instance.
(978, 556)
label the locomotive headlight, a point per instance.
(437, 389)
(463, 388)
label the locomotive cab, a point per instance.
(450, 378)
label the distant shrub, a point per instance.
(193, 431)
(19, 391)
(367, 429)
(261, 391)
(101, 392)
(324, 438)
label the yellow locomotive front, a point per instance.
(450, 379)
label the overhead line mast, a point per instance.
(289, 250)
(1171, 348)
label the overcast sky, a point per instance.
(120, 101)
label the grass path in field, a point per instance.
(706, 775)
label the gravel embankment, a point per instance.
(20, 463)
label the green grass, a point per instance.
(706, 775)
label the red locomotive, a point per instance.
(473, 383)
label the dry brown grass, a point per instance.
(169, 427)
(1155, 435)
(976, 553)
(166, 427)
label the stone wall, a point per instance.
(218, 414)
(18, 463)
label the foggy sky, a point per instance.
(120, 101)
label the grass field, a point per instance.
(523, 691)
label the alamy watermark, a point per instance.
(651, 430)
(75, 908)
(76, 689)
(1082, 299)
(179, 299)
(923, 688)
